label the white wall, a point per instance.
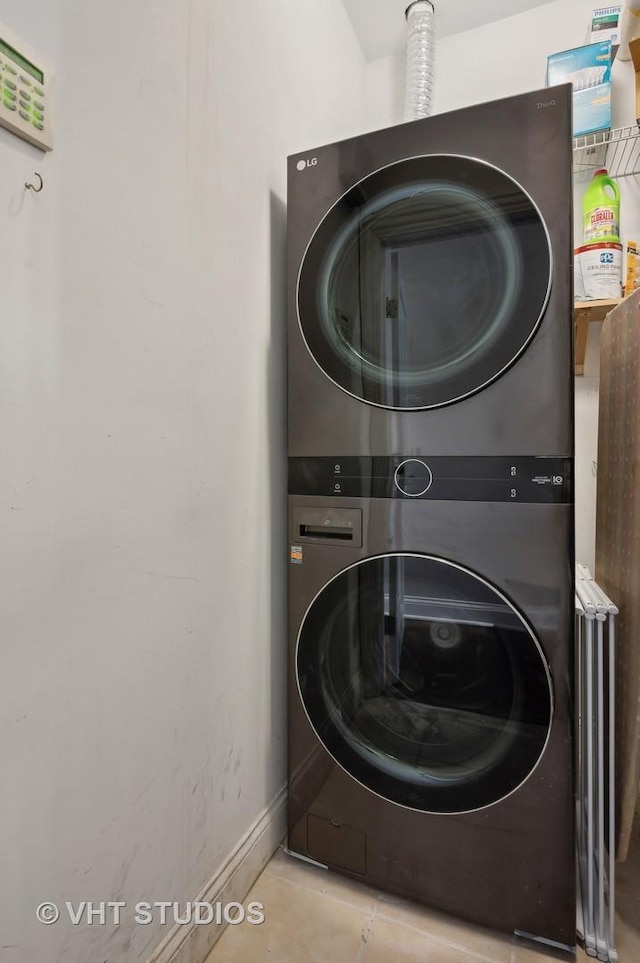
(385, 83)
(498, 60)
(142, 435)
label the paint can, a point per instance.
(597, 272)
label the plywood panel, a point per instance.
(618, 536)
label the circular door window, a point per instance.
(424, 282)
(424, 683)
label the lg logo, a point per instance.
(303, 164)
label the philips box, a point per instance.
(605, 24)
(588, 69)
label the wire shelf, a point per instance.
(618, 150)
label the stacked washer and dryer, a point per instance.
(431, 512)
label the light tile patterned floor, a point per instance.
(314, 916)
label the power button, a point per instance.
(413, 477)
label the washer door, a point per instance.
(424, 282)
(424, 683)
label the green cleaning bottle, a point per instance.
(601, 210)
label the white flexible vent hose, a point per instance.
(420, 48)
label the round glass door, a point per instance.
(424, 282)
(424, 683)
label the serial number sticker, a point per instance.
(296, 555)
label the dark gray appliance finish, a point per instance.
(429, 267)
(430, 680)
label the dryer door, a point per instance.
(424, 282)
(424, 683)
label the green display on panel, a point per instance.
(18, 59)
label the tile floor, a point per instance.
(314, 916)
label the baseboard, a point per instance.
(192, 943)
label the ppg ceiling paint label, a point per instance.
(296, 555)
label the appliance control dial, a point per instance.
(413, 477)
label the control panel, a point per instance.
(26, 92)
(449, 478)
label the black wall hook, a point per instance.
(32, 187)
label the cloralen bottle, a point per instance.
(601, 210)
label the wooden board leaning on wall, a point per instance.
(584, 313)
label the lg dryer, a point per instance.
(429, 270)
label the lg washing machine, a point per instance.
(431, 512)
(430, 717)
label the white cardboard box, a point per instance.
(605, 23)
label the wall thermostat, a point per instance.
(26, 92)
